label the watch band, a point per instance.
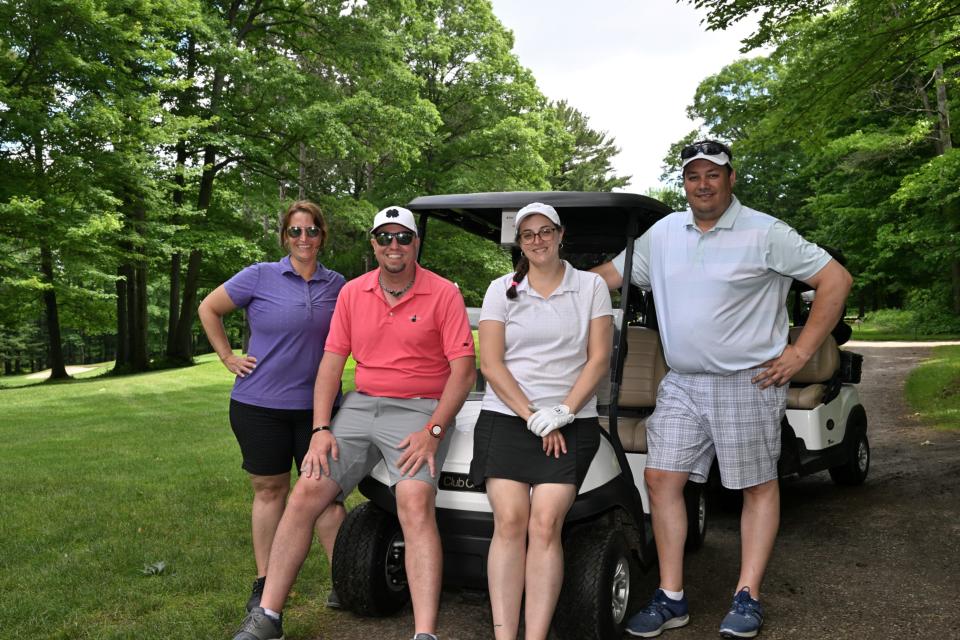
(324, 427)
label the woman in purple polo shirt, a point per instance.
(288, 304)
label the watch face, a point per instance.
(436, 430)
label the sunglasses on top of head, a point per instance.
(384, 238)
(707, 148)
(312, 231)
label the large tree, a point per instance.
(588, 165)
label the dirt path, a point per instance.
(877, 561)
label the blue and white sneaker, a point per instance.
(660, 614)
(744, 618)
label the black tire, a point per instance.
(368, 571)
(853, 471)
(599, 573)
(696, 497)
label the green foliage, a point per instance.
(589, 166)
(673, 197)
(156, 136)
(469, 261)
(933, 388)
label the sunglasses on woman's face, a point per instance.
(384, 238)
(294, 232)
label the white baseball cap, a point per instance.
(705, 150)
(394, 215)
(537, 207)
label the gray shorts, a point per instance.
(368, 429)
(699, 415)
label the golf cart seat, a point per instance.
(810, 385)
(643, 369)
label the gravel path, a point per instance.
(877, 561)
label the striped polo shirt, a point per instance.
(721, 294)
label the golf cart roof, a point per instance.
(595, 222)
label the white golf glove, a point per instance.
(546, 420)
(539, 420)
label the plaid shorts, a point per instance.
(699, 415)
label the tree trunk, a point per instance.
(137, 290)
(183, 338)
(945, 143)
(302, 172)
(124, 276)
(58, 368)
(186, 105)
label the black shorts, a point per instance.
(503, 447)
(271, 439)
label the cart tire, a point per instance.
(368, 570)
(854, 471)
(696, 497)
(599, 571)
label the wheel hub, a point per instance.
(621, 589)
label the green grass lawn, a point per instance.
(881, 334)
(933, 388)
(104, 476)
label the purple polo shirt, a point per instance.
(289, 319)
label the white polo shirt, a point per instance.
(546, 338)
(721, 295)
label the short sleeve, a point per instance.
(495, 302)
(338, 338)
(641, 262)
(455, 330)
(242, 286)
(789, 254)
(601, 298)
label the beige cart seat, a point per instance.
(643, 369)
(808, 386)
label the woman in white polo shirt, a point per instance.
(545, 335)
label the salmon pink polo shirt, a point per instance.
(403, 351)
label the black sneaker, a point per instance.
(333, 600)
(256, 593)
(259, 626)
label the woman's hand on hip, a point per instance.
(240, 365)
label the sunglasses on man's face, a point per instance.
(294, 232)
(706, 148)
(384, 238)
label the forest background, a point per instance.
(147, 148)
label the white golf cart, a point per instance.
(607, 535)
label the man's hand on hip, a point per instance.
(420, 447)
(780, 370)
(315, 462)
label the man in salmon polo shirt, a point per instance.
(408, 331)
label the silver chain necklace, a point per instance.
(396, 293)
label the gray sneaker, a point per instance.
(259, 626)
(425, 636)
(333, 600)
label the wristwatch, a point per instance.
(435, 430)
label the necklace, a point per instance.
(396, 293)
